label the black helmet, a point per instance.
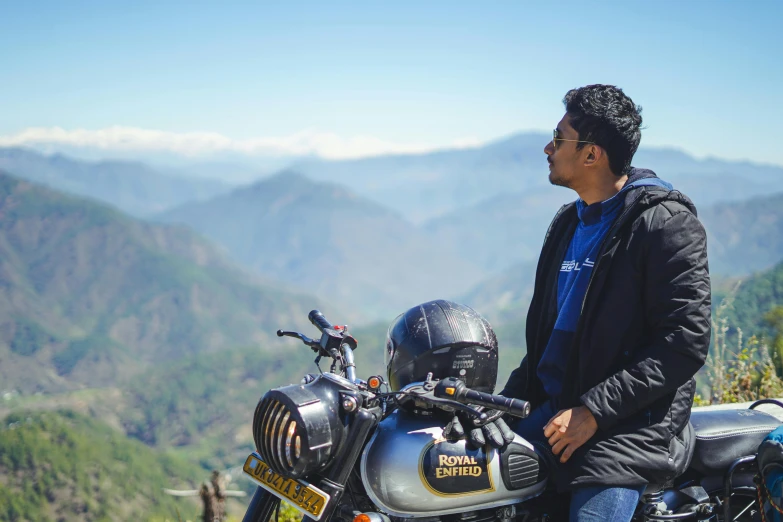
(445, 338)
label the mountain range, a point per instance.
(377, 235)
(165, 331)
(131, 186)
(427, 186)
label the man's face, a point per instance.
(565, 160)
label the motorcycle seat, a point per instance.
(722, 436)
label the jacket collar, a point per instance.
(644, 187)
(642, 190)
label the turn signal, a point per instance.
(371, 517)
(374, 383)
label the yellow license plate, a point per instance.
(305, 497)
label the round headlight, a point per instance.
(297, 428)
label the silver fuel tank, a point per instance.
(409, 470)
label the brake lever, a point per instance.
(312, 343)
(426, 393)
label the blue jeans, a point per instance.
(588, 504)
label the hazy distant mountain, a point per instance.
(423, 186)
(673, 162)
(427, 186)
(420, 187)
(504, 297)
(231, 167)
(710, 181)
(503, 230)
(132, 187)
(745, 236)
(326, 239)
(90, 296)
(232, 173)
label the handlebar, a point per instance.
(319, 321)
(456, 390)
(335, 342)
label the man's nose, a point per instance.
(549, 148)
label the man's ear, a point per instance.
(594, 155)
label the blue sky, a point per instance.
(336, 75)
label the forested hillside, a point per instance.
(61, 466)
(204, 404)
(753, 300)
(91, 296)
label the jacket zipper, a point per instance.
(537, 290)
(618, 224)
(605, 240)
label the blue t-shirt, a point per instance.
(594, 222)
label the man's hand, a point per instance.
(569, 429)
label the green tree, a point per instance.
(774, 318)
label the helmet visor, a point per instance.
(390, 348)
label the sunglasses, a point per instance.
(555, 139)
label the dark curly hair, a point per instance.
(606, 116)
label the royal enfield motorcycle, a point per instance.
(340, 448)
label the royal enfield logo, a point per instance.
(457, 466)
(451, 468)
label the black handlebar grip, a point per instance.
(319, 321)
(515, 407)
(455, 389)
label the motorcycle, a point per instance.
(340, 448)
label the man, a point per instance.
(619, 322)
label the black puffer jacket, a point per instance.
(643, 334)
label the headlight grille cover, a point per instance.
(296, 428)
(275, 442)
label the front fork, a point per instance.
(262, 506)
